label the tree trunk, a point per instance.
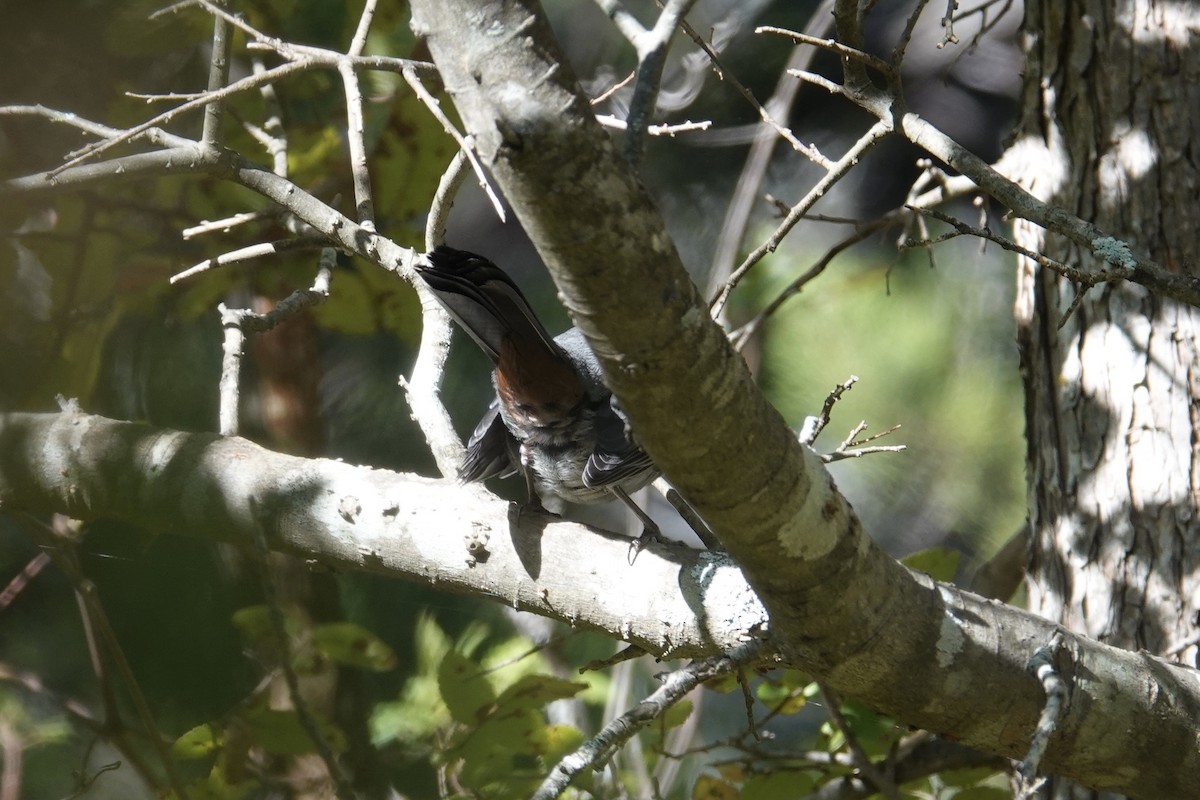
(1113, 422)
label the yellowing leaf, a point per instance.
(465, 692)
(939, 563)
(710, 788)
(354, 646)
(200, 741)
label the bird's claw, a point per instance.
(649, 536)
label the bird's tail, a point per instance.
(487, 304)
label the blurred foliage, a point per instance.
(437, 695)
(934, 348)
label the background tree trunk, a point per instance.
(1112, 417)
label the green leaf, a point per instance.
(875, 732)
(982, 793)
(216, 787)
(722, 683)
(254, 624)
(493, 750)
(784, 699)
(777, 785)
(536, 691)
(555, 741)
(464, 690)
(707, 787)
(280, 732)
(939, 563)
(795, 679)
(354, 646)
(677, 714)
(200, 741)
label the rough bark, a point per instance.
(1112, 415)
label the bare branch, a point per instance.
(839, 170)
(882, 782)
(359, 42)
(243, 85)
(1042, 665)
(153, 135)
(948, 18)
(833, 46)
(311, 242)
(600, 747)
(218, 76)
(814, 425)
(363, 202)
(864, 231)
(423, 389)
(960, 228)
(737, 216)
(902, 42)
(766, 116)
(609, 121)
(237, 322)
(227, 224)
(652, 57)
(435, 106)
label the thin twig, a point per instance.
(359, 42)
(309, 242)
(273, 136)
(832, 45)
(948, 24)
(750, 181)
(677, 684)
(617, 124)
(743, 334)
(435, 107)
(1085, 278)
(341, 782)
(361, 176)
(19, 581)
(154, 135)
(833, 705)
(839, 170)
(218, 76)
(902, 42)
(652, 57)
(228, 223)
(245, 84)
(818, 423)
(423, 389)
(236, 322)
(1042, 665)
(777, 102)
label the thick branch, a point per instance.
(674, 602)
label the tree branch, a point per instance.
(678, 602)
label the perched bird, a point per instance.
(553, 419)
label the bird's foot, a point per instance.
(650, 535)
(533, 507)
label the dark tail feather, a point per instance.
(484, 301)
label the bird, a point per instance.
(552, 419)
